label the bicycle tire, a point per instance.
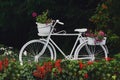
(100, 52)
(33, 48)
(81, 52)
(95, 52)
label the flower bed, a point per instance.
(106, 69)
(10, 69)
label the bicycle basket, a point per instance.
(93, 41)
(44, 29)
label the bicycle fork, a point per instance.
(42, 51)
(90, 53)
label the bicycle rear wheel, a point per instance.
(91, 52)
(82, 52)
(99, 51)
(33, 48)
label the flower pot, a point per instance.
(43, 29)
(93, 41)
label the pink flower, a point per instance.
(87, 34)
(101, 33)
(34, 14)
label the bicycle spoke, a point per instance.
(32, 49)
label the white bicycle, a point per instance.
(45, 48)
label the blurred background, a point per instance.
(17, 26)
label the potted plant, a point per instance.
(43, 23)
(97, 38)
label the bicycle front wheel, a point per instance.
(33, 48)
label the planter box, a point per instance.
(93, 41)
(43, 29)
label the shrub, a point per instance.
(106, 69)
(63, 70)
(103, 20)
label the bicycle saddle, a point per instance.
(81, 30)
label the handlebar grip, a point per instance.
(59, 22)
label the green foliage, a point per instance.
(101, 17)
(112, 38)
(8, 52)
(10, 69)
(103, 20)
(17, 72)
(43, 18)
(70, 70)
(117, 56)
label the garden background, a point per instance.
(17, 26)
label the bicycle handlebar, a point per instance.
(59, 22)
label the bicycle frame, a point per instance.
(79, 44)
(74, 46)
(49, 40)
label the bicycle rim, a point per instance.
(82, 53)
(99, 51)
(33, 48)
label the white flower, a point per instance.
(2, 48)
(25, 53)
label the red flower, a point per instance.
(40, 72)
(81, 65)
(41, 69)
(59, 69)
(34, 14)
(86, 75)
(48, 66)
(5, 62)
(108, 59)
(36, 74)
(1, 66)
(96, 60)
(58, 65)
(90, 62)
